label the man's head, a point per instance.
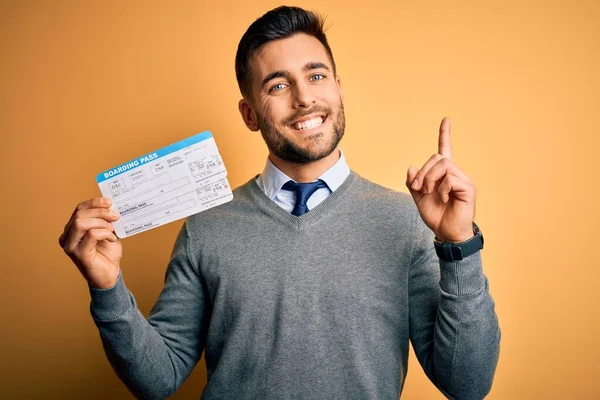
(291, 92)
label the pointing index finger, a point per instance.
(444, 146)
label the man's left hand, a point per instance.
(444, 194)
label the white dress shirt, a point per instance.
(272, 179)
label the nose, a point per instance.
(303, 97)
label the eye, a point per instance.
(317, 77)
(276, 87)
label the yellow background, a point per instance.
(88, 85)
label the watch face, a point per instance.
(456, 252)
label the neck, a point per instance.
(306, 172)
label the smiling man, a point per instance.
(312, 281)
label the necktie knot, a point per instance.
(303, 193)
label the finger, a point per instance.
(443, 167)
(410, 176)
(417, 182)
(96, 202)
(444, 146)
(460, 189)
(80, 226)
(106, 214)
(91, 239)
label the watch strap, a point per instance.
(457, 251)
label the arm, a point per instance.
(153, 357)
(453, 326)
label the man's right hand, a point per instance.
(89, 240)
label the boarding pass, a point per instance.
(165, 185)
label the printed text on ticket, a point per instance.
(174, 182)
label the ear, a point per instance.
(248, 114)
(338, 80)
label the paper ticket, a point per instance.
(165, 185)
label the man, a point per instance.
(310, 283)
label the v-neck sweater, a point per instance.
(320, 306)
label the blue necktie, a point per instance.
(303, 193)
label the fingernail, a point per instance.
(107, 201)
(114, 213)
(415, 184)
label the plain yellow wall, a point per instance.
(88, 85)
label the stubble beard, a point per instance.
(282, 147)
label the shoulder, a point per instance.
(386, 211)
(381, 198)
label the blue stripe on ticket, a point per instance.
(136, 162)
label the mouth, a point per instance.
(309, 122)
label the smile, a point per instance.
(308, 124)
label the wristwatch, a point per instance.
(457, 251)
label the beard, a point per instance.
(319, 148)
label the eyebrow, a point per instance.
(285, 73)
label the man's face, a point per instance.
(296, 99)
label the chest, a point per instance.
(317, 272)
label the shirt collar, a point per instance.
(273, 178)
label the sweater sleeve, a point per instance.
(453, 326)
(154, 356)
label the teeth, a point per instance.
(310, 124)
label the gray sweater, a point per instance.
(320, 306)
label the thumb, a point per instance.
(410, 177)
